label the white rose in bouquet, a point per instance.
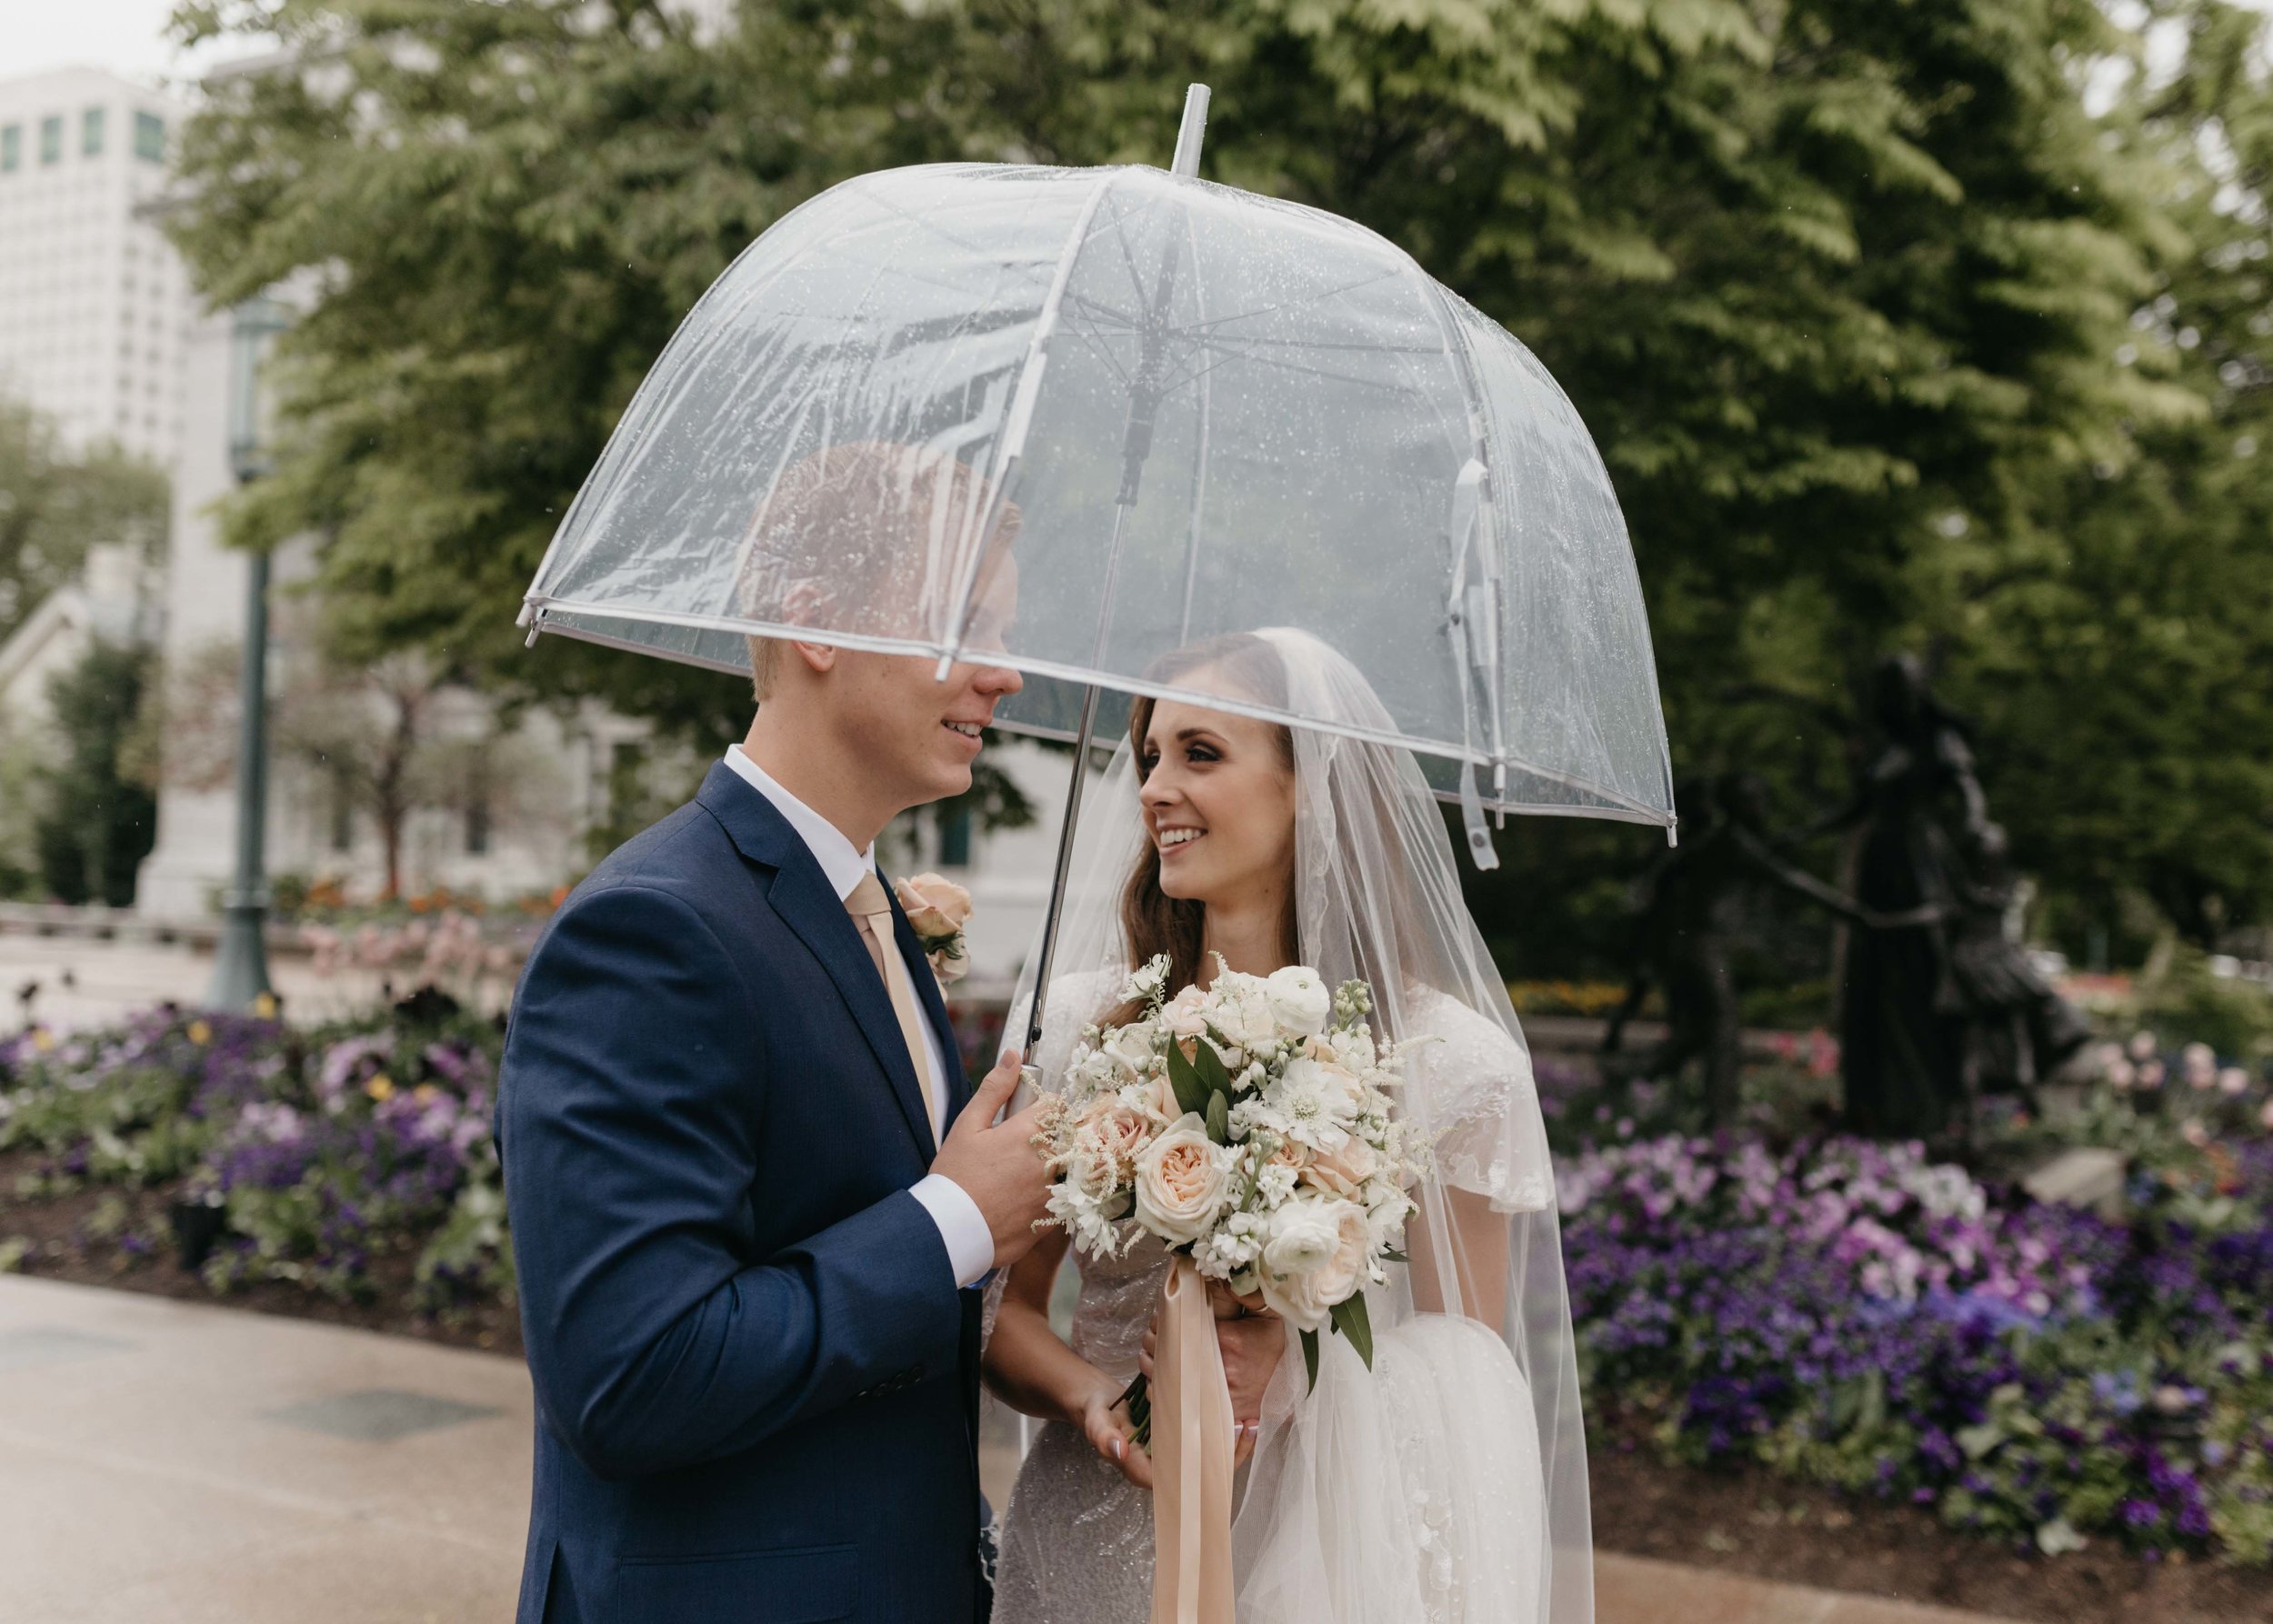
(1131, 1047)
(1185, 1015)
(1317, 1256)
(1299, 999)
(1181, 1182)
(1243, 1014)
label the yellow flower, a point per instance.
(381, 1086)
(265, 1005)
(426, 1093)
(199, 1032)
(43, 1039)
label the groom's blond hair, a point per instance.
(862, 529)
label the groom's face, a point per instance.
(921, 735)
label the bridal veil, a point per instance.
(1386, 1457)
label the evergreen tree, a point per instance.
(96, 824)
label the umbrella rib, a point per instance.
(1316, 298)
(1104, 351)
(1120, 241)
(1127, 321)
(1334, 377)
(1258, 341)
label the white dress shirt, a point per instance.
(970, 1242)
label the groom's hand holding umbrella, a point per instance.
(996, 1163)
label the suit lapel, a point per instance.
(801, 896)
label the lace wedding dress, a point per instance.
(1399, 1496)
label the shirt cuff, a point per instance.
(962, 1226)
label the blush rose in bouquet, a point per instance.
(1248, 1126)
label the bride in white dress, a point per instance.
(1447, 1485)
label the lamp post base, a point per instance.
(240, 972)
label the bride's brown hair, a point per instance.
(1152, 921)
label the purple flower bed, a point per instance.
(325, 1150)
(1851, 1312)
(1839, 1309)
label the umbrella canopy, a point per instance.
(1069, 420)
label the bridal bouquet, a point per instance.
(1249, 1127)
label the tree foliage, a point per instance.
(55, 503)
(1847, 294)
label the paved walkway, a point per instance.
(173, 1463)
(108, 981)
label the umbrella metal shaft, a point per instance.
(1047, 952)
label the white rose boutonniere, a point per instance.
(936, 910)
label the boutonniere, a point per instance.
(937, 909)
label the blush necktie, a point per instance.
(870, 905)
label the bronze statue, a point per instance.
(2016, 1030)
(1900, 1036)
(1687, 922)
(1937, 1006)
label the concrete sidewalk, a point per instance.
(174, 1463)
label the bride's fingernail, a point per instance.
(1120, 1450)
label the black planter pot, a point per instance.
(199, 1222)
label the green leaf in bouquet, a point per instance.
(1191, 1094)
(1310, 1359)
(1219, 1119)
(1208, 1064)
(1351, 1321)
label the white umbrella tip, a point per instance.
(1190, 133)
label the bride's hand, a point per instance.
(1253, 1340)
(1105, 1421)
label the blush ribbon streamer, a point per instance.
(1191, 1459)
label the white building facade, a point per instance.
(94, 300)
(543, 796)
(521, 830)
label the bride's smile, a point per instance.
(1219, 804)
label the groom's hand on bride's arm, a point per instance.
(996, 1164)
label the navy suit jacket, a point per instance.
(757, 1383)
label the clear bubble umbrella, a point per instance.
(1071, 420)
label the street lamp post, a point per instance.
(240, 977)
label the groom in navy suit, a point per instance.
(751, 1191)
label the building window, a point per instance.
(11, 148)
(150, 137)
(91, 133)
(51, 140)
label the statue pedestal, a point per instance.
(2084, 1177)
